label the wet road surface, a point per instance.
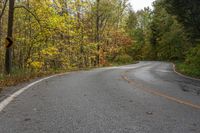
(147, 97)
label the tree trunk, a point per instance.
(8, 56)
(1, 27)
(97, 32)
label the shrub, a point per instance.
(193, 56)
(123, 59)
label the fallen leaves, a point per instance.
(13, 80)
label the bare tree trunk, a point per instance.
(1, 28)
(80, 30)
(8, 56)
(97, 32)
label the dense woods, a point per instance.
(62, 34)
(51, 35)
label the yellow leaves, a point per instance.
(56, 21)
(36, 65)
(39, 60)
(50, 52)
(65, 35)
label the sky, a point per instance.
(140, 4)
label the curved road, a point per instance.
(147, 97)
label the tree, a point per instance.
(97, 37)
(2, 7)
(167, 37)
(8, 56)
(187, 13)
(60, 34)
(137, 27)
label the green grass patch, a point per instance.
(189, 70)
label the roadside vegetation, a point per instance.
(189, 70)
(52, 36)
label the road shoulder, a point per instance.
(182, 75)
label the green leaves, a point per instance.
(187, 13)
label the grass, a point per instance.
(189, 70)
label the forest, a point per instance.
(45, 36)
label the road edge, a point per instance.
(182, 75)
(10, 98)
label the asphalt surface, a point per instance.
(147, 97)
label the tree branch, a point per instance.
(24, 7)
(4, 7)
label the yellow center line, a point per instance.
(154, 92)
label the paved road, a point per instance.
(147, 97)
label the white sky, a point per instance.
(140, 4)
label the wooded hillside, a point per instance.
(51, 35)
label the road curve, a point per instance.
(147, 97)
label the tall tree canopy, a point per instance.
(188, 14)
